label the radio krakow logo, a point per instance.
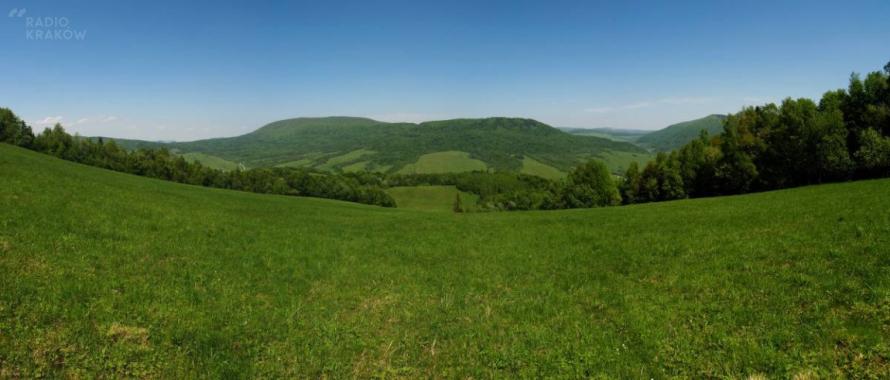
(48, 28)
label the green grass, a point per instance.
(307, 160)
(301, 163)
(530, 166)
(212, 162)
(618, 162)
(444, 162)
(110, 275)
(431, 198)
(338, 161)
(356, 167)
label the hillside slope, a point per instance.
(348, 143)
(677, 135)
(111, 275)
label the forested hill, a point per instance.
(677, 135)
(354, 144)
(663, 140)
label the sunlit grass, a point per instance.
(111, 275)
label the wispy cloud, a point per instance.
(650, 103)
(47, 121)
(598, 109)
(52, 120)
(102, 119)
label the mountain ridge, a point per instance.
(358, 143)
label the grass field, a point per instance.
(309, 160)
(111, 275)
(444, 162)
(212, 162)
(431, 198)
(618, 162)
(356, 167)
(345, 158)
(533, 167)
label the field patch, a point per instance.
(444, 162)
(431, 198)
(356, 167)
(306, 160)
(210, 161)
(534, 167)
(345, 158)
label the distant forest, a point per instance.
(845, 136)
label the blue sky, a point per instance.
(188, 70)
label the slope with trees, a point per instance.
(677, 135)
(846, 135)
(160, 163)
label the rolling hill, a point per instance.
(677, 135)
(349, 144)
(111, 275)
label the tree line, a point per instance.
(845, 136)
(162, 164)
(588, 185)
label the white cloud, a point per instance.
(52, 120)
(47, 121)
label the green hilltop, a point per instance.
(110, 275)
(355, 144)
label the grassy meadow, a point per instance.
(444, 162)
(111, 275)
(431, 198)
(534, 167)
(209, 161)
